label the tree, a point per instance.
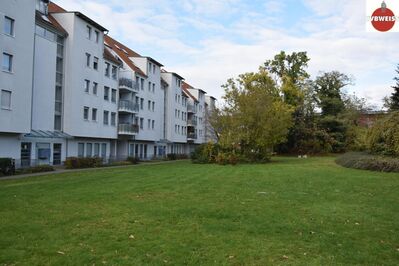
(331, 100)
(383, 137)
(394, 99)
(254, 117)
(328, 88)
(290, 73)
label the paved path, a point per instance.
(62, 171)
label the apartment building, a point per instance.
(75, 91)
(17, 25)
(176, 113)
(210, 106)
(147, 97)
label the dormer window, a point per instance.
(42, 6)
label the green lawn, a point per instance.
(291, 211)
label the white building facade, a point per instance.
(69, 90)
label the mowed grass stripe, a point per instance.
(291, 211)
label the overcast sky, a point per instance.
(209, 41)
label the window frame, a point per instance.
(10, 62)
(9, 93)
(12, 26)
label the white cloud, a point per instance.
(231, 37)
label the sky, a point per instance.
(209, 41)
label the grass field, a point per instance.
(291, 211)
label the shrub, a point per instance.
(77, 163)
(171, 156)
(7, 166)
(37, 169)
(368, 162)
(205, 153)
(383, 137)
(133, 160)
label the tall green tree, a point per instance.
(289, 70)
(254, 117)
(330, 98)
(394, 99)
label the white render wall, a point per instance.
(200, 96)
(76, 71)
(172, 90)
(44, 84)
(19, 81)
(146, 133)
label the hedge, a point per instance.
(369, 162)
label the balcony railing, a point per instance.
(128, 106)
(192, 122)
(191, 136)
(128, 83)
(191, 108)
(128, 129)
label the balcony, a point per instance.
(128, 129)
(128, 84)
(192, 122)
(191, 108)
(128, 107)
(191, 136)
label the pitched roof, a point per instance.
(54, 8)
(110, 57)
(124, 53)
(51, 22)
(185, 86)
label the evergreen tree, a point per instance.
(394, 99)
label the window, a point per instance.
(113, 96)
(95, 86)
(96, 149)
(149, 105)
(57, 122)
(149, 67)
(9, 26)
(106, 118)
(89, 150)
(86, 113)
(149, 86)
(5, 99)
(141, 123)
(88, 56)
(94, 114)
(153, 124)
(149, 123)
(7, 62)
(153, 69)
(153, 87)
(106, 93)
(113, 119)
(107, 69)
(142, 84)
(88, 32)
(114, 72)
(87, 85)
(141, 103)
(95, 63)
(153, 106)
(103, 150)
(81, 150)
(97, 36)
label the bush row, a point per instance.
(174, 156)
(7, 166)
(36, 169)
(368, 162)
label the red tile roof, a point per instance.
(185, 86)
(110, 57)
(114, 44)
(54, 8)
